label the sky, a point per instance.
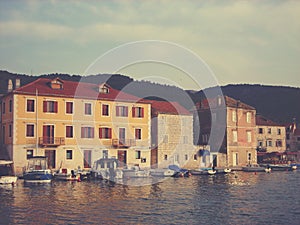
(255, 42)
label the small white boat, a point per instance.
(256, 168)
(135, 172)
(164, 172)
(67, 175)
(7, 178)
(107, 169)
(203, 171)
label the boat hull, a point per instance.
(38, 176)
(8, 179)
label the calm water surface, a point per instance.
(241, 198)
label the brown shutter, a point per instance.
(44, 106)
(142, 109)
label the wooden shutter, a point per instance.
(133, 111)
(82, 132)
(109, 133)
(55, 107)
(100, 133)
(142, 112)
(126, 110)
(44, 106)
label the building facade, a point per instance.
(172, 136)
(271, 137)
(228, 127)
(74, 124)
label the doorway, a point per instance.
(50, 154)
(122, 156)
(48, 134)
(87, 158)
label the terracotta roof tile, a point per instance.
(263, 121)
(73, 89)
(164, 107)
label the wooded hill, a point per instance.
(278, 103)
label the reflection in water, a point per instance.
(238, 198)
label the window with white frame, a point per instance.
(50, 106)
(88, 108)
(138, 112)
(233, 116)
(234, 136)
(87, 132)
(121, 111)
(29, 130)
(249, 136)
(69, 107)
(30, 103)
(69, 154)
(248, 117)
(105, 110)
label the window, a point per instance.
(138, 133)
(10, 105)
(29, 154)
(87, 132)
(260, 143)
(69, 107)
(278, 143)
(195, 157)
(233, 116)
(138, 112)
(104, 133)
(298, 138)
(248, 117)
(122, 111)
(3, 107)
(279, 131)
(30, 130)
(3, 134)
(69, 131)
(87, 108)
(260, 130)
(87, 158)
(249, 136)
(105, 110)
(10, 130)
(269, 130)
(50, 106)
(165, 157)
(176, 158)
(105, 154)
(69, 154)
(186, 157)
(137, 154)
(234, 136)
(269, 143)
(30, 105)
(249, 156)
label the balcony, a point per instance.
(51, 141)
(123, 143)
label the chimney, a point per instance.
(10, 85)
(18, 83)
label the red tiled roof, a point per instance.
(73, 89)
(263, 121)
(164, 107)
(229, 102)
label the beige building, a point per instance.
(172, 136)
(271, 137)
(228, 127)
(74, 124)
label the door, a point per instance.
(87, 158)
(215, 161)
(51, 158)
(122, 136)
(122, 155)
(48, 134)
(235, 159)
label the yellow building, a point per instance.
(74, 124)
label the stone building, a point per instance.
(271, 136)
(228, 127)
(172, 136)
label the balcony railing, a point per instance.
(51, 141)
(123, 143)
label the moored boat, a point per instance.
(107, 169)
(37, 170)
(255, 168)
(179, 172)
(282, 167)
(7, 177)
(164, 172)
(67, 175)
(135, 172)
